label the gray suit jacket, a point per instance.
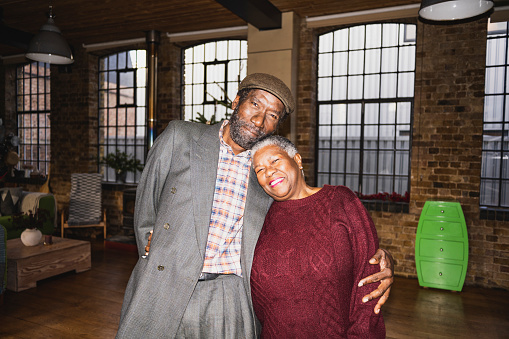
(174, 198)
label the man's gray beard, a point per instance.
(244, 141)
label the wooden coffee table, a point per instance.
(28, 264)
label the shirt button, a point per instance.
(166, 226)
(160, 268)
(173, 190)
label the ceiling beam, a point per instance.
(260, 13)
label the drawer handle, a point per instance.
(440, 273)
(442, 211)
(441, 228)
(441, 250)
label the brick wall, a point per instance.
(446, 149)
(306, 100)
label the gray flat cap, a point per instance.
(272, 85)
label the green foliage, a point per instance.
(31, 220)
(122, 162)
(226, 103)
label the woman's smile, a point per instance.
(275, 182)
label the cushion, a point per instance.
(16, 193)
(7, 206)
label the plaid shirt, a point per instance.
(224, 241)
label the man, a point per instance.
(198, 195)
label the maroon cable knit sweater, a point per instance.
(309, 258)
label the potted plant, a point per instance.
(32, 224)
(122, 163)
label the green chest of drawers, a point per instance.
(441, 246)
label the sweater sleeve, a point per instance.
(364, 323)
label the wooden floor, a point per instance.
(87, 305)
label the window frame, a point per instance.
(213, 110)
(111, 111)
(40, 150)
(493, 133)
(363, 101)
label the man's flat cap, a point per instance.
(272, 85)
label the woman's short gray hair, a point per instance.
(275, 140)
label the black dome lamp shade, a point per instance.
(49, 45)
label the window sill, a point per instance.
(490, 213)
(115, 186)
(26, 181)
(386, 206)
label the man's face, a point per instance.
(257, 116)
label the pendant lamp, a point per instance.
(49, 45)
(449, 10)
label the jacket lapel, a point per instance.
(257, 205)
(204, 159)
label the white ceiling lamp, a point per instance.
(49, 45)
(450, 10)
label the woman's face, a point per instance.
(278, 174)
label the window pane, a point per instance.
(495, 77)
(372, 87)
(33, 107)
(340, 63)
(122, 111)
(405, 85)
(325, 65)
(212, 72)
(339, 88)
(389, 59)
(355, 84)
(370, 64)
(374, 36)
(325, 115)
(406, 61)
(489, 192)
(323, 161)
(388, 86)
(337, 160)
(495, 157)
(373, 61)
(324, 89)
(356, 62)
(495, 52)
(370, 162)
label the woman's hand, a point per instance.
(385, 276)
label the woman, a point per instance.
(311, 254)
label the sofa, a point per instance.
(15, 202)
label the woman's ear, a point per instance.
(298, 160)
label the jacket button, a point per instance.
(173, 190)
(166, 226)
(160, 268)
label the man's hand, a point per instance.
(147, 248)
(385, 276)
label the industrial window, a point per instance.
(365, 103)
(211, 76)
(33, 106)
(122, 108)
(495, 146)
